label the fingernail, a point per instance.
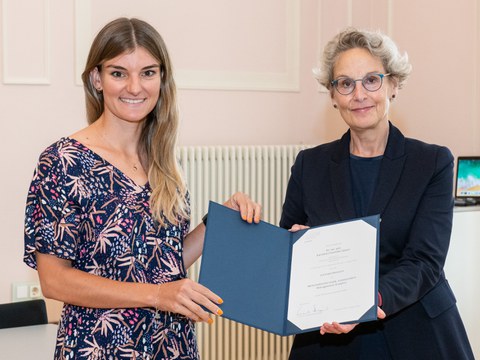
(220, 301)
(250, 220)
(219, 312)
(244, 217)
(210, 321)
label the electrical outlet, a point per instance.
(23, 291)
(35, 291)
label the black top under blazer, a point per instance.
(414, 199)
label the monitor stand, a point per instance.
(466, 201)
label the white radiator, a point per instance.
(214, 173)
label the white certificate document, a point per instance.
(333, 274)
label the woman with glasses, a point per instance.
(374, 169)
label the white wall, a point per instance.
(244, 74)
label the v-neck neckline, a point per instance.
(108, 163)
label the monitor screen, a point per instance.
(468, 177)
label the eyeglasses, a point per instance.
(346, 85)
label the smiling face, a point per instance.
(130, 84)
(362, 109)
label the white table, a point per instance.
(28, 342)
(462, 269)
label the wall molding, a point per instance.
(390, 18)
(349, 16)
(8, 77)
(476, 76)
(349, 13)
(83, 32)
(208, 79)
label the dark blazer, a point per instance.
(414, 198)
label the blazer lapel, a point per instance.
(340, 178)
(390, 171)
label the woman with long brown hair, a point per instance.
(107, 217)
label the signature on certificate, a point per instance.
(309, 309)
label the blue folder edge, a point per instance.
(261, 309)
(255, 303)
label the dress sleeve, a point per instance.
(51, 219)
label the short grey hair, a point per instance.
(378, 44)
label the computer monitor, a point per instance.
(467, 184)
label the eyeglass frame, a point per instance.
(334, 83)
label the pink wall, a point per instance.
(244, 76)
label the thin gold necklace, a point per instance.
(134, 165)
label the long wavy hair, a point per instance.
(159, 133)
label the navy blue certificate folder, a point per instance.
(250, 267)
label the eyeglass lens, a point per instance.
(371, 82)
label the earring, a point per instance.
(335, 106)
(99, 91)
(393, 97)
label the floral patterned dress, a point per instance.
(83, 209)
